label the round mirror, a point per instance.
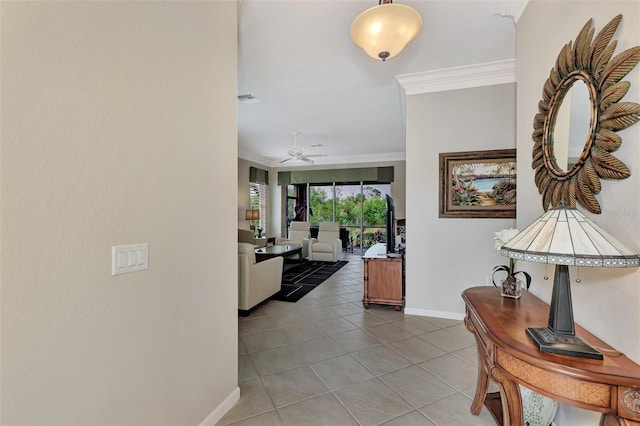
(579, 114)
(571, 130)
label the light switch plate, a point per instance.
(129, 258)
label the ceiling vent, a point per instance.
(248, 98)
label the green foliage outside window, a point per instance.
(348, 208)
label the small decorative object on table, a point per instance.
(537, 410)
(510, 285)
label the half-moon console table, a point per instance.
(507, 356)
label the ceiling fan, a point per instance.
(296, 153)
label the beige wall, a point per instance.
(445, 256)
(275, 201)
(606, 301)
(118, 127)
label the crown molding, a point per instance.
(464, 77)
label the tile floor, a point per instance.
(327, 361)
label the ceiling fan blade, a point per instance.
(315, 155)
(285, 160)
(305, 159)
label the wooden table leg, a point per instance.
(482, 383)
(511, 399)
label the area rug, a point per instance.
(301, 279)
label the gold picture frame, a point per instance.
(478, 184)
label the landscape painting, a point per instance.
(478, 184)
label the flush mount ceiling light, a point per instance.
(384, 30)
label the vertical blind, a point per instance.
(258, 183)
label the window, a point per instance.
(360, 209)
(258, 197)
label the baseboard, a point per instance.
(222, 408)
(434, 314)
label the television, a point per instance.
(391, 225)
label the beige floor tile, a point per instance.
(461, 331)
(386, 312)
(330, 300)
(348, 308)
(372, 402)
(310, 357)
(442, 322)
(335, 326)
(241, 349)
(387, 332)
(323, 410)
(301, 331)
(294, 385)
(417, 386)
(445, 340)
(318, 350)
(287, 319)
(342, 288)
(264, 340)
(275, 360)
(307, 303)
(271, 418)
(381, 360)
(413, 418)
(452, 370)
(415, 325)
(246, 370)
(319, 313)
(254, 400)
(365, 319)
(341, 371)
(469, 355)
(255, 325)
(416, 349)
(454, 410)
(356, 296)
(355, 340)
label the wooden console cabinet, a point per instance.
(508, 357)
(384, 281)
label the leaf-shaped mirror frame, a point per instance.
(590, 60)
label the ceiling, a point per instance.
(297, 59)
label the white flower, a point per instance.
(503, 236)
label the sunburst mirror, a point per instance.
(573, 145)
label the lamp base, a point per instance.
(547, 341)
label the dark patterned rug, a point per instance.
(301, 279)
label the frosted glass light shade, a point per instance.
(383, 31)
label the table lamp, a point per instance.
(564, 237)
(252, 215)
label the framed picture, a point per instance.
(478, 184)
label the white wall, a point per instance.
(606, 301)
(445, 256)
(118, 127)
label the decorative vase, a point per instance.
(511, 287)
(537, 410)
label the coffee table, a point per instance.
(265, 253)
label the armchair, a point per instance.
(298, 236)
(327, 246)
(247, 236)
(256, 281)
